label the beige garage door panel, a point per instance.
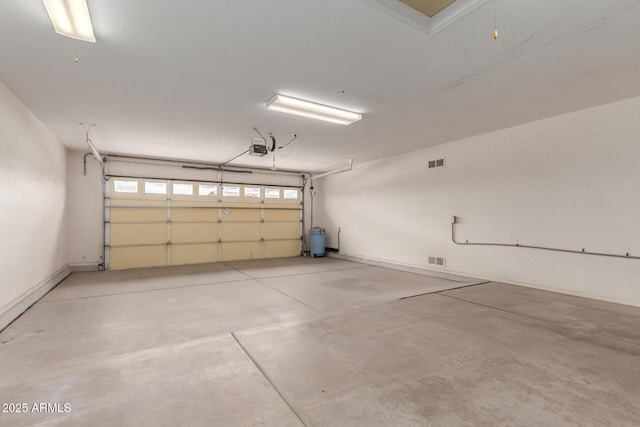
(115, 201)
(198, 214)
(283, 248)
(137, 257)
(281, 230)
(194, 254)
(196, 232)
(138, 214)
(240, 231)
(138, 234)
(209, 203)
(240, 214)
(237, 251)
(281, 215)
(154, 222)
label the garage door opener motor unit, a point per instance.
(258, 147)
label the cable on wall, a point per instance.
(454, 221)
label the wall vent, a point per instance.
(439, 261)
(438, 163)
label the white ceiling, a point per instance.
(189, 79)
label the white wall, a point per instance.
(32, 202)
(571, 181)
(84, 210)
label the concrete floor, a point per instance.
(318, 342)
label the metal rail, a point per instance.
(229, 183)
(518, 245)
(178, 163)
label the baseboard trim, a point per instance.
(570, 292)
(30, 298)
(407, 268)
(75, 268)
(484, 279)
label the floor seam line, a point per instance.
(147, 290)
(269, 380)
(296, 274)
(274, 289)
(239, 271)
(443, 290)
(495, 308)
(289, 296)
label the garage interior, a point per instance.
(466, 167)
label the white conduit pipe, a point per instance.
(94, 151)
(347, 169)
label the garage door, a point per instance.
(167, 222)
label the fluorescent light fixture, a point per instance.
(312, 110)
(71, 18)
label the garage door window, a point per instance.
(272, 193)
(183, 189)
(230, 191)
(208, 190)
(290, 194)
(155, 187)
(253, 192)
(120, 186)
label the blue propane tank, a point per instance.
(316, 235)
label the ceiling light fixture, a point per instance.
(71, 18)
(300, 107)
